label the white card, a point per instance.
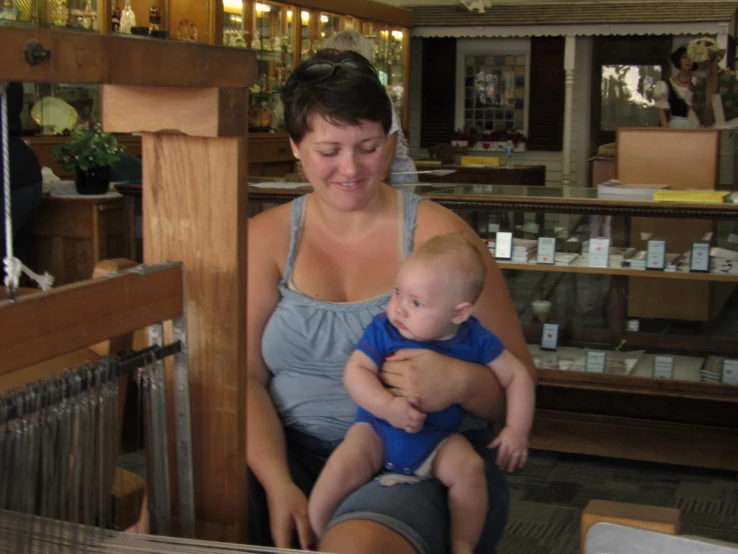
(730, 372)
(550, 336)
(656, 255)
(599, 252)
(503, 245)
(699, 260)
(663, 367)
(596, 361)
(546, 250)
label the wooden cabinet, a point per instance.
(285, 33)
(528, 175)
(72, 234)
(270, 155)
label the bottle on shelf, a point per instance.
(509, 151)
(127, 18)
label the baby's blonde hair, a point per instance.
(463, 258)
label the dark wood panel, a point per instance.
(546, 110)
(438, 91)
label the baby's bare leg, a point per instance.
(461, 469)
(353, 463)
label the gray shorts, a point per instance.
(418, 512)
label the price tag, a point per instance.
(599, 252)
(730, 372)
(656, 255)
(546, 254)
(550, 336)
(596, 361)
(699, 260)
(663, 367)
(503, 245)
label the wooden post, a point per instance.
(195, 211)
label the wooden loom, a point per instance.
(191, 102)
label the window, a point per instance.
(627, 96)
(492, 85)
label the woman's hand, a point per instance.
(424, 375)
(287, 514)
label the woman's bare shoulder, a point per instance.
(269, 231)
(433, 219)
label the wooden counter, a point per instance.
(72, 234)
(269, 153)
(528, 175)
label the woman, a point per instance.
(319, 269)
(674, 96)
(401, 168)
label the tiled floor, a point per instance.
(547, 499)
(548, 496)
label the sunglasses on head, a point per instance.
(320, 70)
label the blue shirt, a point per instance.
(472, 342)
(405, 452)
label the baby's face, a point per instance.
(423, 301)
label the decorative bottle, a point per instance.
(127, 18)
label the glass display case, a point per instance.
(285, 34)
(629, 374)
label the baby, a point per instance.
(431, 308)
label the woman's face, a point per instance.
(685, 62)
(345, 164)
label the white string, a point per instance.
(13, 266)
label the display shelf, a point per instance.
(685, 384)
(579, 266)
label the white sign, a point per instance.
(503, 245)
(550, 336)
(596, 361)
(699, 260)
(656, 255)
(730, 372)
(599, 252)
(546, 253)
(663, 367)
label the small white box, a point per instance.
(663, 367)
(730, 372)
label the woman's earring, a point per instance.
(296, 155)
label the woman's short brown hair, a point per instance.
(345, 97)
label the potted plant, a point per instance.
(90, 152)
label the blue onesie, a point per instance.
(405, 452)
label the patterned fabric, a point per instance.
(403, 167)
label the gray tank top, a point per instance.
(306, 343)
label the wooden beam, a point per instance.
(210, 112)
(195, 211)
(90, 58)
(40, 327)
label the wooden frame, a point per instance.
(195, 212)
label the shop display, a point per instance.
(610, 383)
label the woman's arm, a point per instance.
(266, 451)
(452, 380)
(265, 440)
(663, 119)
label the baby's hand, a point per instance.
(403, 415)
(512, 448)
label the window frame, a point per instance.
(490, 47)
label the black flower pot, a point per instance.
(95, 180)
